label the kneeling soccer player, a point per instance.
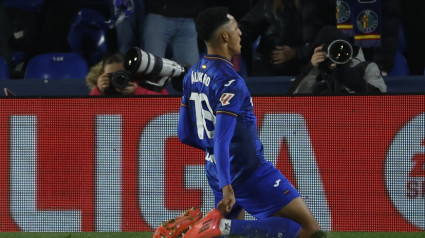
(216, 116)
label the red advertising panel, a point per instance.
(116, 164)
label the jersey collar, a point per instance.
(218, 57)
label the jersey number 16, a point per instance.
(203, 115)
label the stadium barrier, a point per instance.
(257, 86)
(116, 164)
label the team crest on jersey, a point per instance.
(225, 98)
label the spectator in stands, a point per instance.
(128, 18)
(45, 29)
(374, 26)
(413, 17)
(279, 24)
(238, 8)
(315, 15)
(384, 55)
(24, 26)
(350, 75)
(171, 23)
(57, 17)
(99, 79)
(4, 35)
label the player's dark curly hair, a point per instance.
(209, 20)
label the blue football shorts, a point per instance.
(262, 194)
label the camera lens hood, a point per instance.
(339, 51)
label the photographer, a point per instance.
(337, 67)
(109, 78)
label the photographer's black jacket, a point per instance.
(357, 76)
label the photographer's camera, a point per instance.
(339, 51)
(149, 71)
(120, 79)
(153, 70)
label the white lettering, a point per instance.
(199, 77)
(108, 173)
(292, 129)
(152, 172)
(23, 165)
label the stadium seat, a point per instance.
(401, 67)
(401, 39)
(88, 35)
(4, 69)
(56, 66)
(18, 58)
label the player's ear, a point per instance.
(225, 37)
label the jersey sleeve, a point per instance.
(231, 97)
(225, 128)
(230, 101)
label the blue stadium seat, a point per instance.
(18, 57)
(401, 68)
(56, 66)
(88, 35)
(4, 69)
(401, 39)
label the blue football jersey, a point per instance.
(211, 87)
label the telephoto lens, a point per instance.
(339, 51)
(138, 61)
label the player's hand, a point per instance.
(103, 82)
(318, 56)
(282, 54)
(226, 204)
(129, 90)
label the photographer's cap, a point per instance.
(328, 34)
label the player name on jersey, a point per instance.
(199, 77)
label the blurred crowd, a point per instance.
(279, 37)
